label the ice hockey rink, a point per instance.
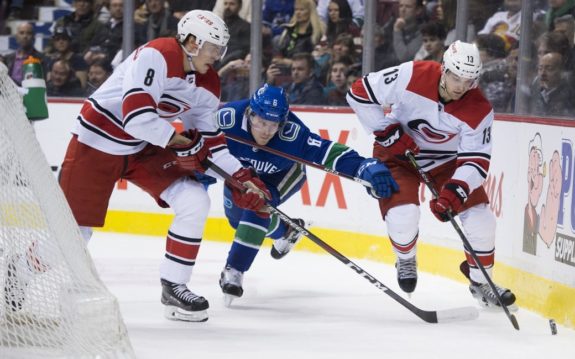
(308, 306)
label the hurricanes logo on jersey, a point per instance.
(428, 133)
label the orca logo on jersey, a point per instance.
(289, 131)
(428, 133)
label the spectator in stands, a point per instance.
(555, 42)
(102, 10)
(275, 14)
(356, 7)
(337, 87)
(303, 31)
(99, 72)
(235, 79)
(108, 40)
(558, 8)
(239, 44)
(245, 12)
(384, 54)
(406, 34)
(14, 61)
(278, 73)
(62, 81)
(82, 24)
(433, 37)
(566, 25)
(159, 23)
(344, 45)
(305, 88)
(511, 77)
(493, 80)
(181, 7)
(61, 49)
(15, 10)
(551, 95)
(505, 23)
(446, 12)
(340, 20)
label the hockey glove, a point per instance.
(452, 197)
(378, 175)
(254, 198)
(192, 155)
(396, 141)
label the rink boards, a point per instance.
(530, 186)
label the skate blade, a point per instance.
(488, 307)
(175, 313)
(228, 299)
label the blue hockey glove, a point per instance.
(377, 173)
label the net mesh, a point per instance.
(53, 305)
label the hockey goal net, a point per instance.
(53, 305)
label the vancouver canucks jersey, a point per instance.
(283, 176)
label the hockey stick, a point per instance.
(429, 183)
(440, 316)
(297, 159)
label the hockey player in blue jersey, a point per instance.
(266, 120)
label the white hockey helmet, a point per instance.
(462, 59)
(205, 26)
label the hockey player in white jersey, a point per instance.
(124, 131)
(438, 113)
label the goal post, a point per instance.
(52, 302)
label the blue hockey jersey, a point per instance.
(282, 176)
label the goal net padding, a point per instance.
(52, 302)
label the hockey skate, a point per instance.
(231, 283)
(182, 304)
(283, 246)
(406, 274)
(485, 296)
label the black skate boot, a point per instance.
(283, 246)
(182, 304)
(231, 283)
(406, 274)
(483, 293)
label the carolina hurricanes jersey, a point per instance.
(457, 130)
(148, 91)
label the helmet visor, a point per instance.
(213, 50)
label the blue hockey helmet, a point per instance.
(270, 103)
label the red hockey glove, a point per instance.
(452, 196)
(254, 198)
(192, 155)
(396, 141)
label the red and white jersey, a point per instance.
(457, 130)
(148, 91)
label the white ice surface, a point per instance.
(308, 306)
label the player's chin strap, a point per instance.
(189, 55)
(429, 183)
(440, 316)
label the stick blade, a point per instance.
(457, 314)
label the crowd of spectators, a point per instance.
(313, 48)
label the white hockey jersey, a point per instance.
(457, 130)
(148, 91)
